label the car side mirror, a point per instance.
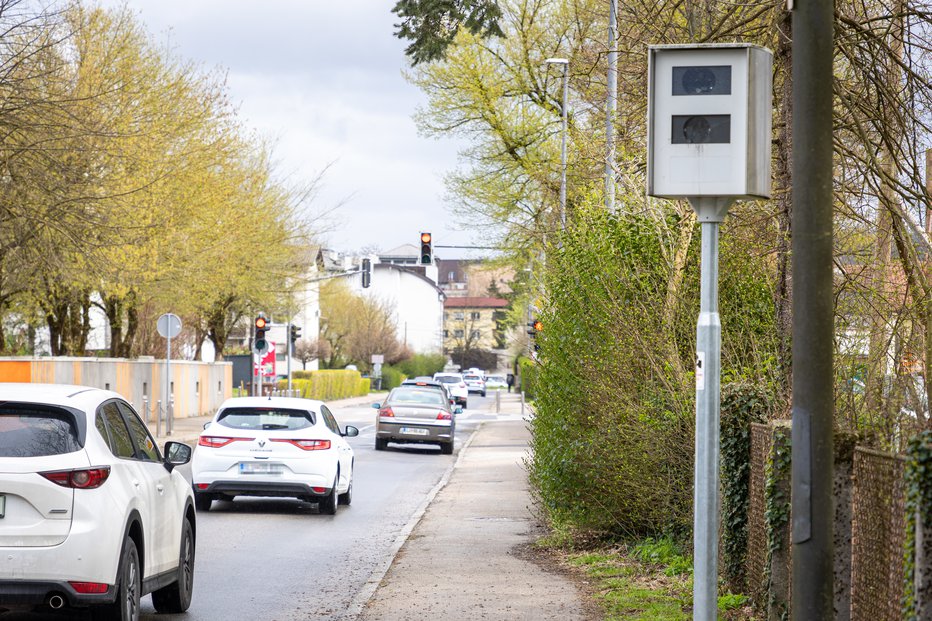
(376, 406)
(458, 410)
(177, 454)
(351, 432)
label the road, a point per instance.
(279, 560)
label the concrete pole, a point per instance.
(813, 377)
(611, 105)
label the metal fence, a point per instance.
(878, 532)
(761, 441)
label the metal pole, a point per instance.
(708, 368)
(168, 388)
(288, 336)
(813, 381)
(158, 417)
(566, 91)
(611, 105)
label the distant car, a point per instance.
(418, 415)
(495, 381)
(431, 382)
(455, 384)
(91, 513)
(274, 447)
(475, 383)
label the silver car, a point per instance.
(416, 415)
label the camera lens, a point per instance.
(698, 81)
(697, 130)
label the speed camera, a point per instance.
(709, 121)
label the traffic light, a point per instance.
(262, 326)
(427, 249)
(535, 327)
(295, 333)
(366, 273)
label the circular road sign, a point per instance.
(169, 325)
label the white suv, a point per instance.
(455, 386)
(91, 514)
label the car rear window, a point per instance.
(420, 396)
(471, 377)
(449, 379)
(30, 431)
(264, 419)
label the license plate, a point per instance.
(260, 468)
(415, 431)
(2, 505)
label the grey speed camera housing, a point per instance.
(709, 121)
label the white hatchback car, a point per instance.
(455, 386)
(91, 514)
(274, 447)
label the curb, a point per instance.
(378, 574)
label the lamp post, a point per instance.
(566, 89)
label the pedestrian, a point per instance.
(510, 380)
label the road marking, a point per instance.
(375, 578)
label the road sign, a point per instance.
(169, 325)
(378, 359)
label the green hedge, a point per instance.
(391, 377)
(527, 376)
(422, 364)
(328, 384)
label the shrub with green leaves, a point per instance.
(614, 387)
(422, 364)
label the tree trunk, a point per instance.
(783, 292)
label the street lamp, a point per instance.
(566, 89)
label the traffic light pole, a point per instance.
(288, 336)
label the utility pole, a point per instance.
(611, 105)
(813, 378)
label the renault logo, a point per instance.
(261, 443)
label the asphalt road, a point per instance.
(279, 560)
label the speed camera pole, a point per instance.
(813, 377)
(708, 141)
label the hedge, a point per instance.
(328, 384)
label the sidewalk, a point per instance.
(187, 430)
(468, 557)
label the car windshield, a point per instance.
(449, 379)
(28, 431)
(417, 396)
(265, 418)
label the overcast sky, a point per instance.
(323, 78)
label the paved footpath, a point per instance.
(463, 559)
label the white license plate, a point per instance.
(2, 505)
(414, 431)
(260, 468)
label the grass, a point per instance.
(649, 581)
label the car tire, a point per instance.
(483, 393)
(176, 597)
(446, 448)
(381, 444)
(328, 504)
(128, 590)
(464, 404)
(202, 501)
(346, 498)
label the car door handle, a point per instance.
(160, 487)
(135, 483)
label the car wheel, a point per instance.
(483, 393)
(202, 501)
(381, 444)
(346, 498)
(446, 448)
(176, 597)
(464, 404)
(328, 504)
(129, 587)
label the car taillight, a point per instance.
(218, 441)
(89, 587)
(386, 412)
(444, 415)
(85, 478)
(463, 385)
(307, 445)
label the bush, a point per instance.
(391, 377)
(527, 376)
(328, 384)
(422, 364)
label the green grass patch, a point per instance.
(649, 581)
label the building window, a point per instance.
(458, 334)
(474, 334)
(451, 275)
(458, 316)
(475, 315)
(446, 334)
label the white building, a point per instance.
(411, 291)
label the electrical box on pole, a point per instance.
(708, 141)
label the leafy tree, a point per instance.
(432, 25)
